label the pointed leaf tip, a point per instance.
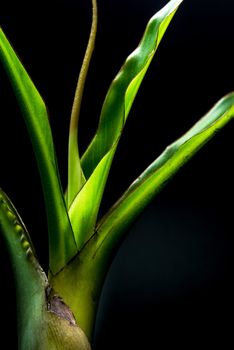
(62, 245)
(115, 223)
(97, 159)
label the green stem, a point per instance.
(76, 177)
(45, 322)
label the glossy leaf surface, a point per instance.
(30, 279)
(44, 321)
(115, 223)
(87, 271)
(97, 159)
(61, 241)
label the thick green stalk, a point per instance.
(44, 321)
(81, 281)
(86, 273)
(80, 284)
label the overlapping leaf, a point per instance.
(115, 223)
(61, 241)
(31, 280)
(97, 159)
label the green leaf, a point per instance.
(124, 87)
(61, 240)
(115, 223)
(83, 211)
(90, 266)
(44, 320)
(97, 159)
(31, 281)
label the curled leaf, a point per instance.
(97, 159)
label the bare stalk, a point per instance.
(75, 175)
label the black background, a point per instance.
(171, 282)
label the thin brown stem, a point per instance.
(76, 177)
(84, 70)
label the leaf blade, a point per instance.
(115, 223)
(114, 114)
(30, 279)
(61, 241)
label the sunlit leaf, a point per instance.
(115, 223)
(61, 241)
(88, 269)
(97, 159)
(31, 280)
